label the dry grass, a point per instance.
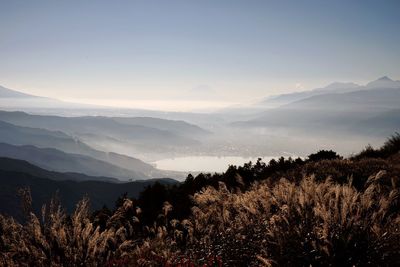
(317, 223)
(286, 223)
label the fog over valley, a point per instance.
(340, 116)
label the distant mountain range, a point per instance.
(334, 88)
(73, 139)
(131, 128)
(41, 138)
(278, 100)
(141, 131)
(76, 155)
(358, 109)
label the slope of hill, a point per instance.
(150, 131)
(17, 135)
(56, 160)
(23, 166)
(69, 192)
(323, 210)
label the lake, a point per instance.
(203, 163)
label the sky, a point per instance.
(193, 54)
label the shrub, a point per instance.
(389, 148)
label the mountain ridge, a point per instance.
(10, 93)
(59, 161)
(335, 87)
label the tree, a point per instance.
(324, 155)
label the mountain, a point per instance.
(15, 100)
(56, 160)
(16, 165)
(18, 135)
(383, 82)
(13, 134)
(69, 192)
(364, 100)
(177, 127)
(138, 125)
(278, 100)
(154, 135)
(376, 103)
(336, 87)
(8, 93)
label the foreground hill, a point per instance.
(43, 187)
(319, 211)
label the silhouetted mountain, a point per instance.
(56, 160)
(69, 192)
(383, 82)
(16, 165)
(17, 135)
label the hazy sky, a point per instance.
(213, 52)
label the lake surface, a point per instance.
(203, 163)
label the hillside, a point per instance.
(143, 131)
(322, 210)
(69, 192)
(22, 166)
(56, 160)
(41, 138)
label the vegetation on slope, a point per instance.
(321, 211)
